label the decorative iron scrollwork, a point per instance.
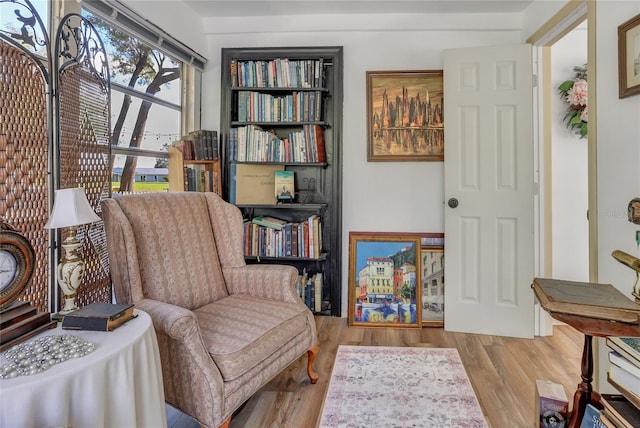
(77, 41)
(31, 31)
(28, 33)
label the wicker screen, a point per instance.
(84, 150)
(24, 161)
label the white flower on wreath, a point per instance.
(574, 92)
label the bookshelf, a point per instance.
(281, 110)
(178, 175)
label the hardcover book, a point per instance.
(98, 317)
(628, 347)
(591, 418)
(602, 301)
(284, 185)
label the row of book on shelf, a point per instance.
(305, 106)
(253, 144)
(310, 290)
(266, 236)
(277, 73)
(198, 145)
(197, 178)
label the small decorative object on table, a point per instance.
(70, 209)
(18, 320)
(39, 354)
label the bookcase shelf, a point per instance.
(177, 165)
(314, 106)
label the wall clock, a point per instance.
(17, 260)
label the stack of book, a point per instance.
(266, 236)
(198, 145)
(624, 375)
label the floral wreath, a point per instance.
(574, 93)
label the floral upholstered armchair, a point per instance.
(224, 328)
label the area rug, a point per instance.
(379, 386)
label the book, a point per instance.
(317, 288)
(620, 411)
(591, 418)
(622, 362)
(268, 221)
(624, 378)
(628, 347)
(254, 183)
(98, 317)
(602, 301)
(284, 185)
(551, 404)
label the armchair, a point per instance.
(224, 328)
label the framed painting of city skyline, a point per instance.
(405, 116)
(384, 279)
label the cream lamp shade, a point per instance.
(70, 208)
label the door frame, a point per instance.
(565, 20)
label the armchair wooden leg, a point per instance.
(311, 355)
(226, 423)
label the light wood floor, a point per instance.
(502, 371)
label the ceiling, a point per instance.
(238, 8)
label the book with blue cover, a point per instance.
(591, 418)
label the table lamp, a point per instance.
(70, 209)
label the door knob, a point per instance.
(453, 202)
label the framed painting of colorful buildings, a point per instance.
(432, 277)
(384, 279)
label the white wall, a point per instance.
(376, 43)
(570, 228)
(618, 156)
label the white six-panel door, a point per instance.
(489, 235)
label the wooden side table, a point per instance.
(591, 327)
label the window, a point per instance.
(147, 70)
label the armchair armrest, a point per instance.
(277, 282)
(176, 322)
(183, 355)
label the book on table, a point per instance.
(601, 301)
(98, 317)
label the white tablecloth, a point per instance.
(118, 385)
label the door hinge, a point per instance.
(535, 80)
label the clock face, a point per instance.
(17, 261)
(8, 268)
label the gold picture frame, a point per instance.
(384, 279)
(405, 117)
(629, 57)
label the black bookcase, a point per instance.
(318, 182)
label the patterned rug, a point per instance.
(379, 386)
